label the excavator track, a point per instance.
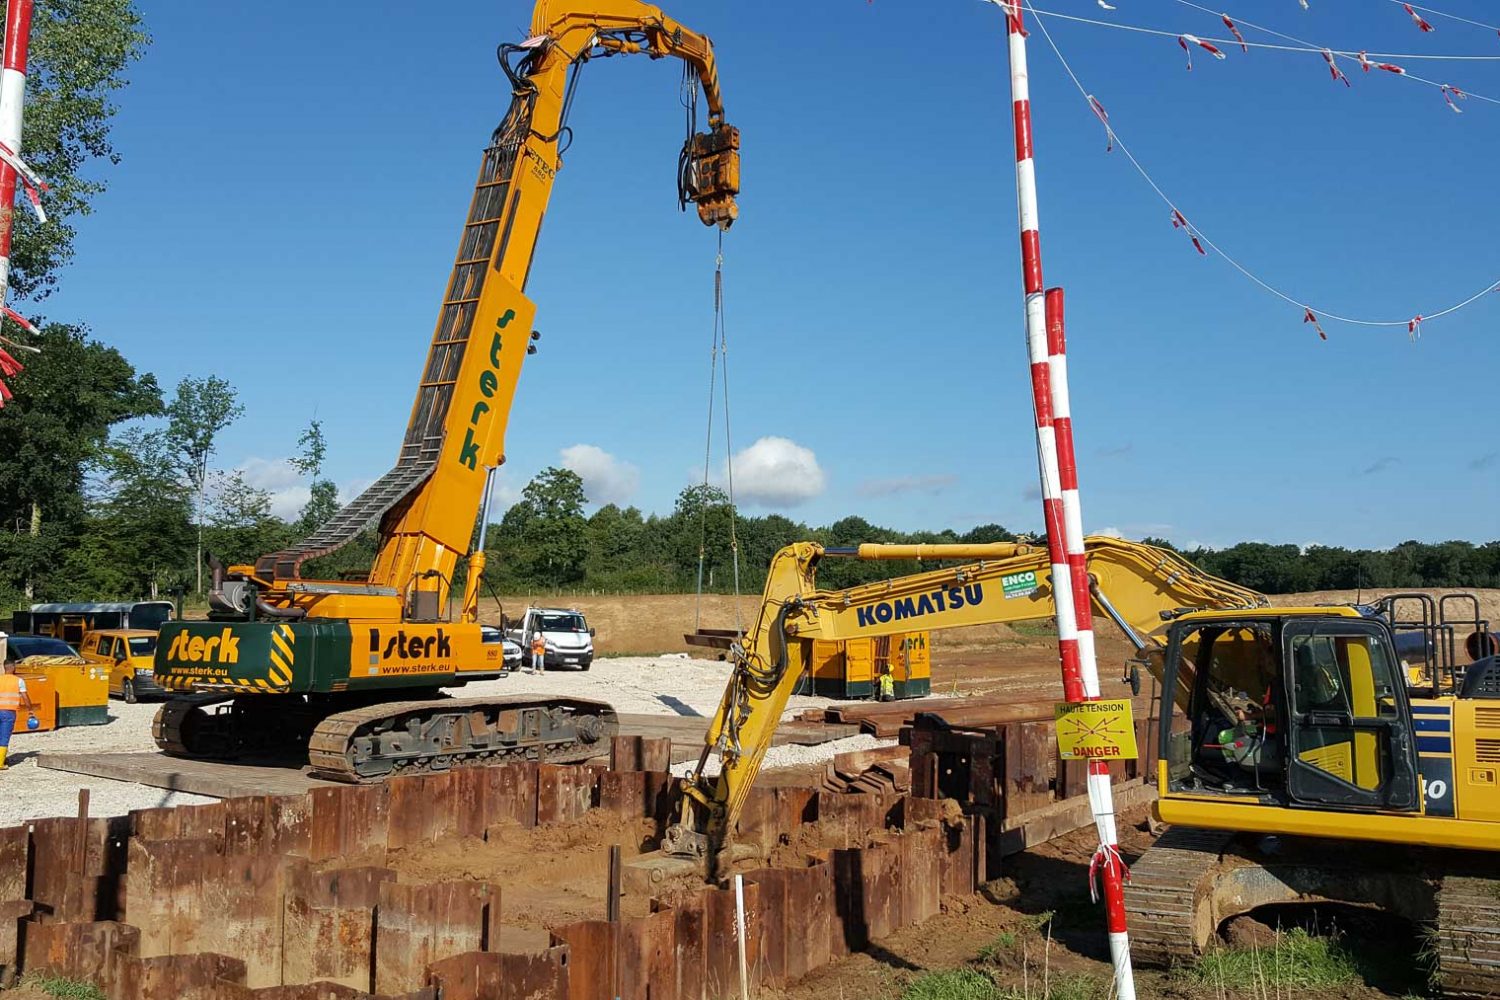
(372, 743)
(180, 727)
(1164, 898)
(1466, 942)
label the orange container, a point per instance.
(43, 694)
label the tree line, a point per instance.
(546, 541)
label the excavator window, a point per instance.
(1232, 742)
(1351, 743)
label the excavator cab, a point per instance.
(1304, 709)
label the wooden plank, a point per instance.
(215, 779)
(1041, 825)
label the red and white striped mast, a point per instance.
(12, 101)
(1047, 350)
(13, 170)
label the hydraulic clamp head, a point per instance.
(711, 174)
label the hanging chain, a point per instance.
(708, 447)
(723, 342)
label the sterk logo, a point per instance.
(416, 647)
(489, 384)
(221, 648)
(948, 599)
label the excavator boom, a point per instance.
(1134, 584)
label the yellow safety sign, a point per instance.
(1096, 730)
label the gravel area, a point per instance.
(666, 685)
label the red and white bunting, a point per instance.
(1449, 92)
(1308, 317)
(1366, 65)
(1333, 68)
(1103, 116)
(1414, 327)
(30, 180)
(1417, 19)
(1236, 33)
(1178, 222)
(1208, 47)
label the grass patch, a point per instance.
(1028, 928)
(65, 989)
(1297, 960)
(1079, 986)
(1035, 629)
(953, 984)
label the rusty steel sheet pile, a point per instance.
(284, 897)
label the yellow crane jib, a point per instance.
(362, 703)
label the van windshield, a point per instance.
(142, 645)
(562, 623)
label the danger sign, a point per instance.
(1096, 730)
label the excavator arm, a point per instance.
(427, 503)
(1137, 586)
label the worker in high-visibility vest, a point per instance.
(13, 698)
(887, 685)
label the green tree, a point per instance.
(323, 494)
(240, 523)
(139, 538)
(65, 404)
(201, 409)
(78, 55)
(542, 538)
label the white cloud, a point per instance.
(777, 472)
(1110, 532)
(606, 479)
(276, 476)
(930, 485)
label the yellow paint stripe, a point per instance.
(279, 644)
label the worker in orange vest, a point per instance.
(13, 698)
(538, 653)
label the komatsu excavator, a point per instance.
(351, 669)
(1132, 584)
(1289, 735)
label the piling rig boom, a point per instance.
(351, 669)
(1133, 584)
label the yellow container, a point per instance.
(848, 668)
(43, 694)
(81, 688)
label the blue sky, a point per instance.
(295, 176)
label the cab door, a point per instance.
(1349, 730)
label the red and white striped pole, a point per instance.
(12, 101)
(1047, 350)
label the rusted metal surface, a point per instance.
(329, 924)
(268, 880)
(640, 753)
(417, 925)
(489, 976)
(348, 821)
(592, 945)
(202, 976)
(648, 947)
(92, 952)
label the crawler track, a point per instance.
(1466, 944)
(1165, 897)
(372, 743)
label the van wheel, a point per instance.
(127, 691)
